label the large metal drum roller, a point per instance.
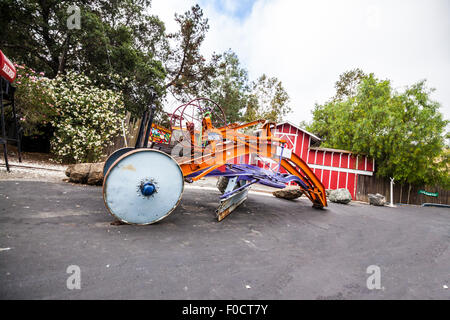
(143, 186)
(113, 157)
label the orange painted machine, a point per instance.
(143, 185)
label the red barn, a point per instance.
(335, 168)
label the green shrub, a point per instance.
(84, 118)
(88, 118)
(33, 100)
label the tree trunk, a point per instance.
(401, 191)
(178, 73)
(409, 191)
(62, 60)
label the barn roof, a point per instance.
(330, 150)
(299, 128)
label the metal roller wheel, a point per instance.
(143, 186)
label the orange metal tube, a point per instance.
(239, 145)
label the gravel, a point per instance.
(30, 170)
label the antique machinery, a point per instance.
(143, 185)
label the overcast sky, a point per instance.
(307, 44)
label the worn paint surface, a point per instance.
(129, 167)
(122, 186)
(231, 200)
(228, 205)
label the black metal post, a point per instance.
(3, 137)
(149, 126)
(146, 124)
(141, 130)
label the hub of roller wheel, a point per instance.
(147, 189)
(143, 186)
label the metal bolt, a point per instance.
(147, 189)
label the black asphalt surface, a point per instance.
(268, 248)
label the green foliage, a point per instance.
(121, 37)
(305, 124)
(127, 55)
(88, 118)
(243, 100)
(83, 118)
(267, 100)
(347, 85)
(189, 72)
(33, 101)
(126, 49)
(230, 88)
(403, 131)
(116, 37)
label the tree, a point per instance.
(268, 100)
(304, 124)
(116, 37)
(230, 87)
(403, 131)
(189, 72)
(243, 100)
(119, 37)
(347, 85)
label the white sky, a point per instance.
(307, 44)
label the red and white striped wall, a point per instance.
(335, 168)
(338, 168)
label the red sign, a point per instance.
(7, 69)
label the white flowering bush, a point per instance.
(87, 120)
(80, 117)
(33, 101)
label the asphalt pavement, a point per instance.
(268, 248)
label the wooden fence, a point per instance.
(131, 132)
(372, 184)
